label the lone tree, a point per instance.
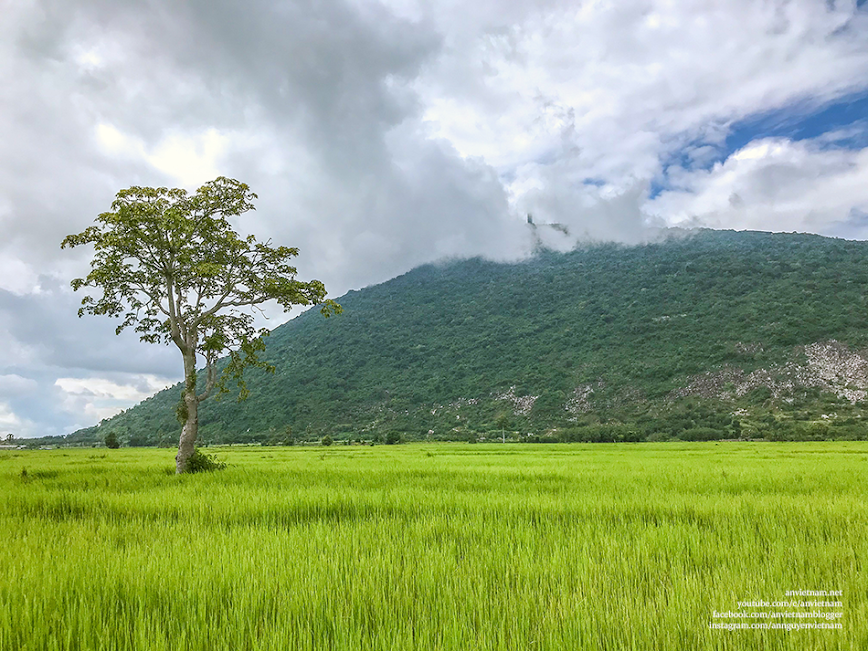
(170, 265)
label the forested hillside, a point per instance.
(717, 334)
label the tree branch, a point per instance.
(211, 379)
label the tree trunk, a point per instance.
(187, 444)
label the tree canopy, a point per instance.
(171, 266)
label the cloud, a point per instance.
(53, 335)
(13, 384)
(382, 135)
(105, 389)
(11, 423)
(51, 356)
(92, 399)
(773, 184)
(556, 94)
(17, 277)
(190, 159)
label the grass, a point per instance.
(430, 546)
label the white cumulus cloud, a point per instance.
(774, 184)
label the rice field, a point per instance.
(447, 546)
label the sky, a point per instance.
(383, 135)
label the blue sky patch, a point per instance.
(844, 121)
(804, 121)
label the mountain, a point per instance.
(716, 334)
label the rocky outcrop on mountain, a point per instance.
(521, 405)
(829, 366)
(580, 401)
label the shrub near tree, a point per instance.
(170, 265)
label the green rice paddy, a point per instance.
(448, 546)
